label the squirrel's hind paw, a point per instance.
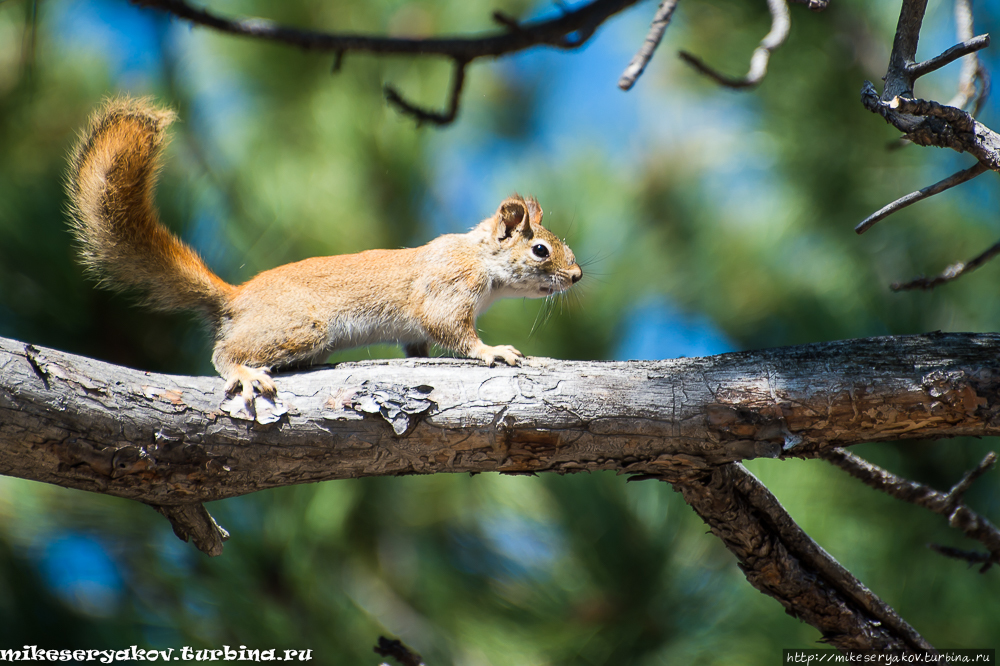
(506, 353)
(257, 399)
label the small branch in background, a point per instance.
(422, 115)
(506, 20)
(571, 28)
(639, 61)
(972, 67)
(953, 272)
(970, 556)
(929, 191)
(947, 504)
(394, 648)
(781, 22)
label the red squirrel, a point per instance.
(297, 314)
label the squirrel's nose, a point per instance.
(577, 274)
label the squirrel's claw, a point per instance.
(506, 353)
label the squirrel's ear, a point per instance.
(534, 210)
(511, 213)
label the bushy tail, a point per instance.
(113, 173)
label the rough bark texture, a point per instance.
(165, 441)
(782, 561)
(80, 423)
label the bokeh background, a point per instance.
(707, 221)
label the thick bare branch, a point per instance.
(639, 61)
(920, 195)
(947, 504)
(899, 80)
(953, 272)
(163, 440)
(800, 574)
(781, 23)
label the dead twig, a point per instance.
(639, 61)
(930, 123)
(424, 115)
(392, 647)
(970, 556)
(953, 272)
(912, 198)
(781, 22)
(972, 67)
(965, 48)
(948, 504)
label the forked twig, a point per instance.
(571, 28)
(930, 123)
(639, 61)
(424, 115)
(948, 504)
(781, 22)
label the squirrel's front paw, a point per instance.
(508, 354)
(249, 382)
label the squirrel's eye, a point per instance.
(540, 251)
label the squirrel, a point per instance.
(297, 314)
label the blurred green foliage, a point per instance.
(736, 206)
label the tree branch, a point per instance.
(972, 67)
(929, 191)
(803, 577)
(781, 23)
(919, 69)
(953, 272)
(569, 30)
(928, 123)
(639, 61)
(424, 115)
(549, 32)
(163, 440)
(947, 504)
(393, 647)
